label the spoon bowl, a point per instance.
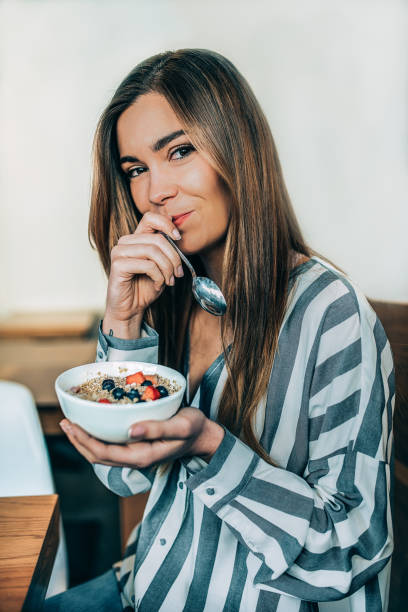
(209, 295)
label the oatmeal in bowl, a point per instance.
(133, 388)
(106, 398)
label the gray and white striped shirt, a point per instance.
(315, 533)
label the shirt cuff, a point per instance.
(144, 348)
(227, 473)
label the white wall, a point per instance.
(331, 76)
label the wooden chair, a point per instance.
(394, 317)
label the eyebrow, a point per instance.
(157, 146)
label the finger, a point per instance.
(126, 268)
(160, 241)
(141, 455)
(147, 251)
(81, 449)
(108, 454)
(161, 451)
(153, 222)
(92, 449)
(135, 455)
(177, 428)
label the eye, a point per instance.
(182, 151)
(135, 171)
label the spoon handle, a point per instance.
(182, 256)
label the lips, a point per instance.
(179, 219)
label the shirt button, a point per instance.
(181, 485)
(100, 354)
(162, 541)
(210, 491)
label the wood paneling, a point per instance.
(394, 318)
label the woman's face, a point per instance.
(168, 176)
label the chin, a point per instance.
(190, 245)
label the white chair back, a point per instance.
(25, 464)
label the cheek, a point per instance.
(221, 217)
(217, 202)
(138, 198)
(221, 205)
(195, 181)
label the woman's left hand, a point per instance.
(188, 433)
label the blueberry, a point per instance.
(162, 390)
(147, 383)
(118, 393)
(133, 394)
(108, 384)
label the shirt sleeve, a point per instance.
(321, 535)
(144, 348)
(126, 481)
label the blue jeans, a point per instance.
(98, 595)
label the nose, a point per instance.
(161, 187)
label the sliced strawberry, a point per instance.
(137, 377)
(104, 401)
(151, 393)
(152, 378)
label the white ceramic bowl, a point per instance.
(111, 422)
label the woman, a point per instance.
(274, 494)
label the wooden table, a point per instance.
(28, 543)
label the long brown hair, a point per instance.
(224, 121)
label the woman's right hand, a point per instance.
(142, 264)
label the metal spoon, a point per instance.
(205, 291)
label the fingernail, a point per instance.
(135, 431)
(172, 280)
(65, 427)
(176, 234)
(180, 271)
